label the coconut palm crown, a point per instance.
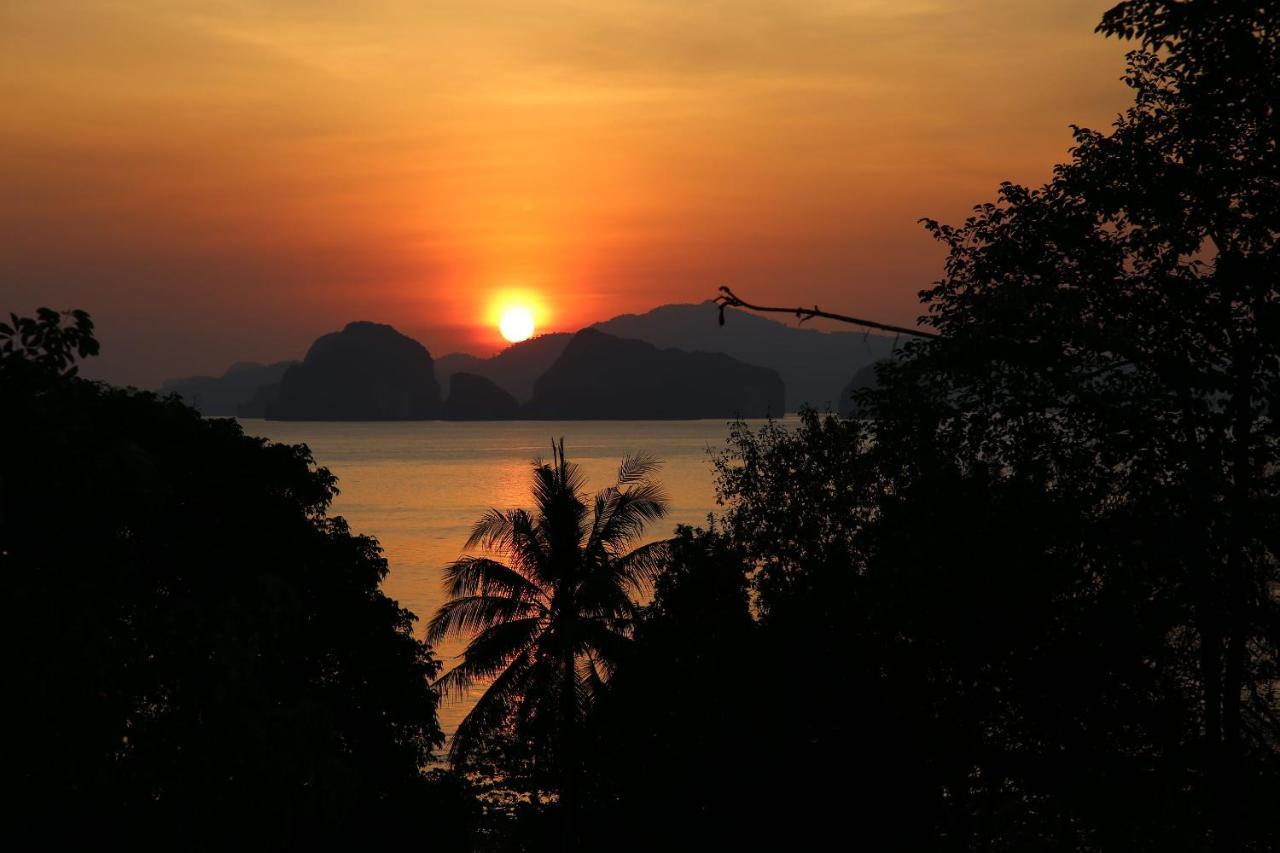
(549, 608)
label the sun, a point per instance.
(516, 324)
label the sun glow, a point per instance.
(514, 313)
(516, 324)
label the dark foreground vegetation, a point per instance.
(1023, 598)
(195, 655)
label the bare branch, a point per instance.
(728, 298)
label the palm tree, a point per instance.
(546, 626)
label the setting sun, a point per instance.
(516, 324)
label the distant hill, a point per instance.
(602, 377)
(224, 395)
(864, 378)
(813, 364)
(474, 398)
(263, 400)
(514, 370)
(366, 372)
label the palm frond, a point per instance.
(627, 513)
(639, 569)
(637, 467)
(591, 678)
(553, 482)
(608, 640)
(528, 547)
(493, 708)
(489, 653)
(560, 508)
(515, 535)
(473, 613)
(492, 531)
(470, 575)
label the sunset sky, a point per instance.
(217, 181)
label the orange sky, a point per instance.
(226, 180)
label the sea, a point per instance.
(420, 486)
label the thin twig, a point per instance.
(728, 298)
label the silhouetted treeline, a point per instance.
(195, 655)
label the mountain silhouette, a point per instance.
(475, 398)
(599, 376)
(263, 400)
(813, 364)
(225, 394)
(864, 378)
(514, 370)
(368, 371)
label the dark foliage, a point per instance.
(46, 345)
(675, 742)
(196, 656)
(961, 647)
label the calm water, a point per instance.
(419, 486)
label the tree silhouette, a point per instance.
(1117, 331)
(1109, 352)
(548, 625)
(196, 654)
(678, 732)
